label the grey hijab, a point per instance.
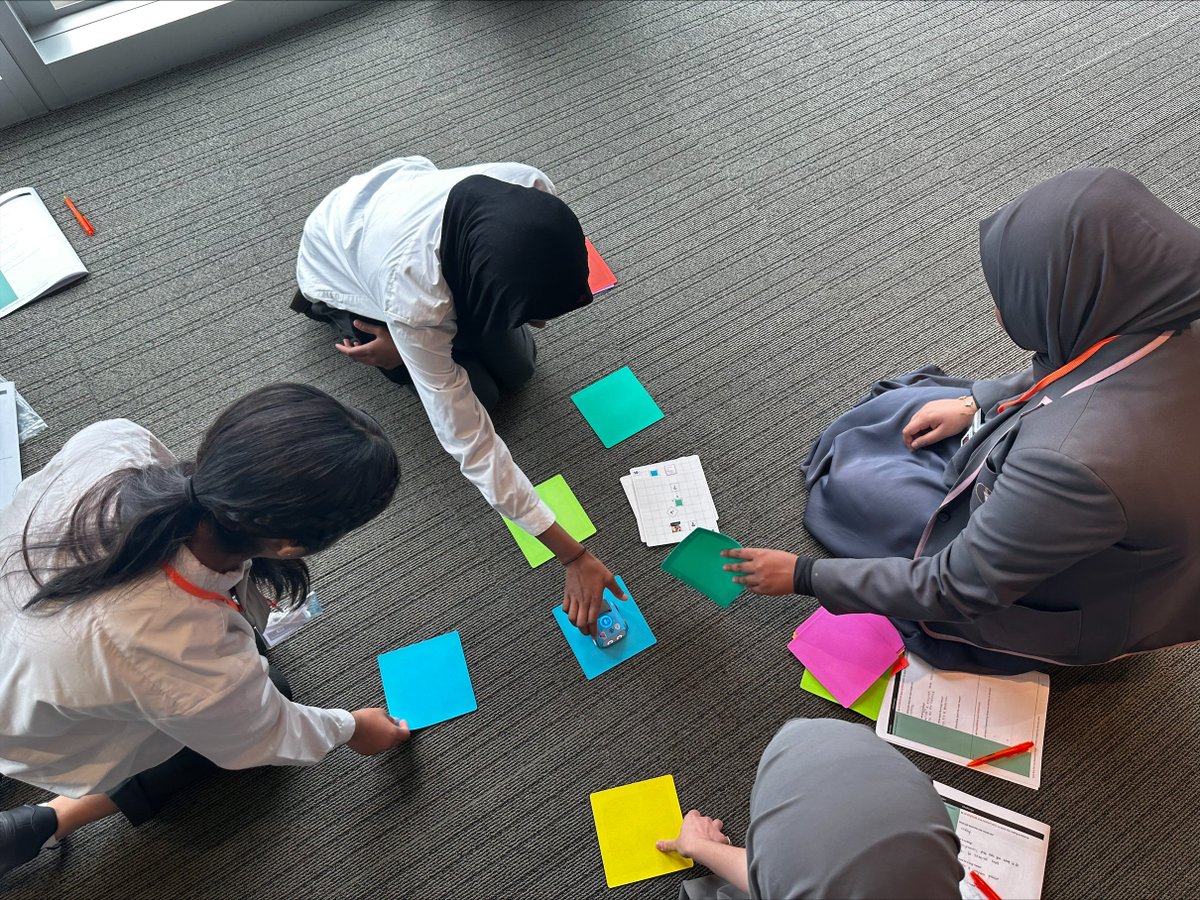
(836, 812)
(1086, 255)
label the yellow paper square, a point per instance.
(629, 819)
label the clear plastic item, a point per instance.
(282, 624)
(29, 423)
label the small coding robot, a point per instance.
(611, 626)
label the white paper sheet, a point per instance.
(1007, 849)
(670, 499)
(1006, 710)
(35, 256)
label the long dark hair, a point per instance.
(285, 461)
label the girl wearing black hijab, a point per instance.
(444, 271)
(1061, 527)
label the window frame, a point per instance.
(40, 12)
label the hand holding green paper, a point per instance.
(762, 571)
(697, 561)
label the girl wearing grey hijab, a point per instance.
(1060, 529)
(835, 812)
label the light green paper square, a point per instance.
(617, 406)
(567, 513)
(867, 705)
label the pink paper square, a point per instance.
(847, 654)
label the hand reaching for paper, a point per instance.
(697, 829)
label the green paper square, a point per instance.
(697, 562)
(867, 705)
(567, 513)
(617, 406)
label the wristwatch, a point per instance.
(969, 402)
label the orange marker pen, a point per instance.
(79, 217)
(984, 887)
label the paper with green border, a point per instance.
(567, 512)
(960, 743)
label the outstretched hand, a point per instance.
(381, 352)
(583, 592)
(375, 731)
(696, 830)
(763, 571)
(936, 421)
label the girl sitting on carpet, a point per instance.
(1061, 528)
(129, 660)
(451, 267)
(835, 812)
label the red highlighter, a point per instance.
(984, 887)
(79, 217)
(1002, 754)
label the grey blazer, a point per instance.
(1079, 539)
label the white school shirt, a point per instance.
(372, 247)
(111, 685)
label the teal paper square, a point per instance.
(7, 294)
(617, 406)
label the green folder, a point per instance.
(567, 513)
(697, 562)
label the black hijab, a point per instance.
(510, 254)
(1086, 255)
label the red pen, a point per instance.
(984, 887)
(1001, 754)
(80, 217)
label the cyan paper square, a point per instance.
(596, 660)
(427, 683)
(617, 406)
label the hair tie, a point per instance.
(190, 491)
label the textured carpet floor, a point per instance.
(789, 194)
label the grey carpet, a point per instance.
(789, 194)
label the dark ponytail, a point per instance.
(287, 461)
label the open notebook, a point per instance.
(35, 256)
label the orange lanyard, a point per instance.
(1055, 375)
(195, 591)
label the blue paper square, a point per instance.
(595, 660)
(427, 683)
